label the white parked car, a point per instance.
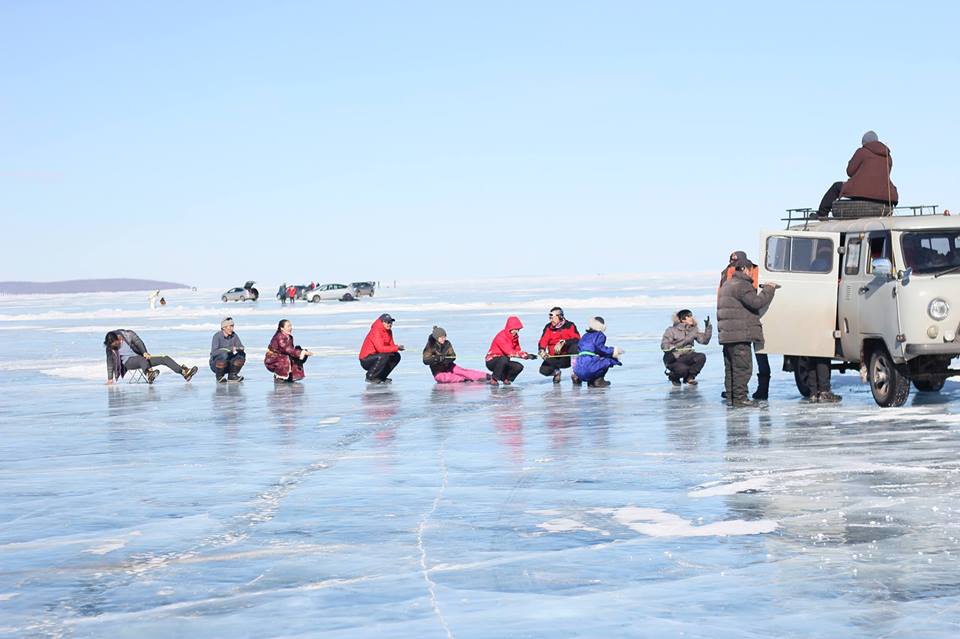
(241, 293)
(879, 294)
(340, 292)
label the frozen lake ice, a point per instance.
(329, 508)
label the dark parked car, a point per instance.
(363, 288)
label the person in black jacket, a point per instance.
(439, 355)
(126, 351)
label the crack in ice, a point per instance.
(424, 570)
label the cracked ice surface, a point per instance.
(332, 509)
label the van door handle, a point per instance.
(863, 289)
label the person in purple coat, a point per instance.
(595, 357)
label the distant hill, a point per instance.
(85, 286)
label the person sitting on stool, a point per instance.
(683, 364)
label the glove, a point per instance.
(559, 347)
(531, 356)
(543, 353)
(617, 353)
(706, 322)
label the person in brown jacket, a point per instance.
(869, 173)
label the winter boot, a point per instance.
(233, 377)
(828, 397)
(221, 379)
(492, 381)
(675, 380)
(506, 382)
(152, 374)
(576, 380)
(556, 377)
(743, 402)
(188, 373)
(763, 388)
(598, 383)
(691, 381)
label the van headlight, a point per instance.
(938, 309)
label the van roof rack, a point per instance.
(807, 215)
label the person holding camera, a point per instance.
(682, 362)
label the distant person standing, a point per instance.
(869, 173)
(559, 343)
(227, 354)
(379, 354)
(126, 352)
(283, 358)
(152, 298)
(282, 294)
(738, 324)
(292, 294)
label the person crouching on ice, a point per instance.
(595, 357)
(379, 354)
(227, 355)
(682, 363)
(506, 344)
(558, 344)
(126, 352)
(439, 355)
(283, 359)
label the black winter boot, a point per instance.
(763, 387)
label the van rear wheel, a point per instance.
(800, 377)
(889, 386)
(929, 385)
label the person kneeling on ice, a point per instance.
(558, 344)
(595, 357)
(439, 355)
(126, 352)
(506, 344)
(283, 359)
(227, 356)
(677, 345)
(379, 354)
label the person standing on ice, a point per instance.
(152, 298)
(683, 364)
(283, 358)
(439, 355)
(227, 355)
(595, 357)
(379, 354)
(763, 362)
(506, 344)
(282, 294)
(738, 324)
(127, 352)
(558, 344)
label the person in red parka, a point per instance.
(869, 173)
(283, 359)
(379, 354)
(558, 344)
(506, 344)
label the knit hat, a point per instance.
(227, 321)
(869, 136)
(438, 332)
(597, 324)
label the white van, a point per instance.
(881, 294)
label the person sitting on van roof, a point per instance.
(869, 173)
(683, 364)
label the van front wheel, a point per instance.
(889, 386)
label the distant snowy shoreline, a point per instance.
(108, 285)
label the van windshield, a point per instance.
(931, 251)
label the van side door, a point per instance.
(802, 318)
(877, 294)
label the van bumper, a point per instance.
(915, 350)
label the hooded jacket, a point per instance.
(116, 367)
(869, 172)
(595, 356)
(439, 357)
(553, 335)
(739, 309)
(378, 340)
(680, 337)
(506, 344)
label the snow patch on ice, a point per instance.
(654, 522)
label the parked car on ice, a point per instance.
(878, 294)
(340, 292)
(363, 288)
(241, 293)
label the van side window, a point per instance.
(879, 247)
(799, 254)
(852, 265)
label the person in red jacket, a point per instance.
(379, 354)
(560, 338)
(505, 345)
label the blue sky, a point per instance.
(214, 142)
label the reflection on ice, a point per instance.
(418, 510)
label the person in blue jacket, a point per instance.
(595, 357)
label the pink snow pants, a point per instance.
(459, 374)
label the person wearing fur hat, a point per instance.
(682, 362)
(506, 345)
(595, 357)
(869, 173)
(227, 356)
(439, 355)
